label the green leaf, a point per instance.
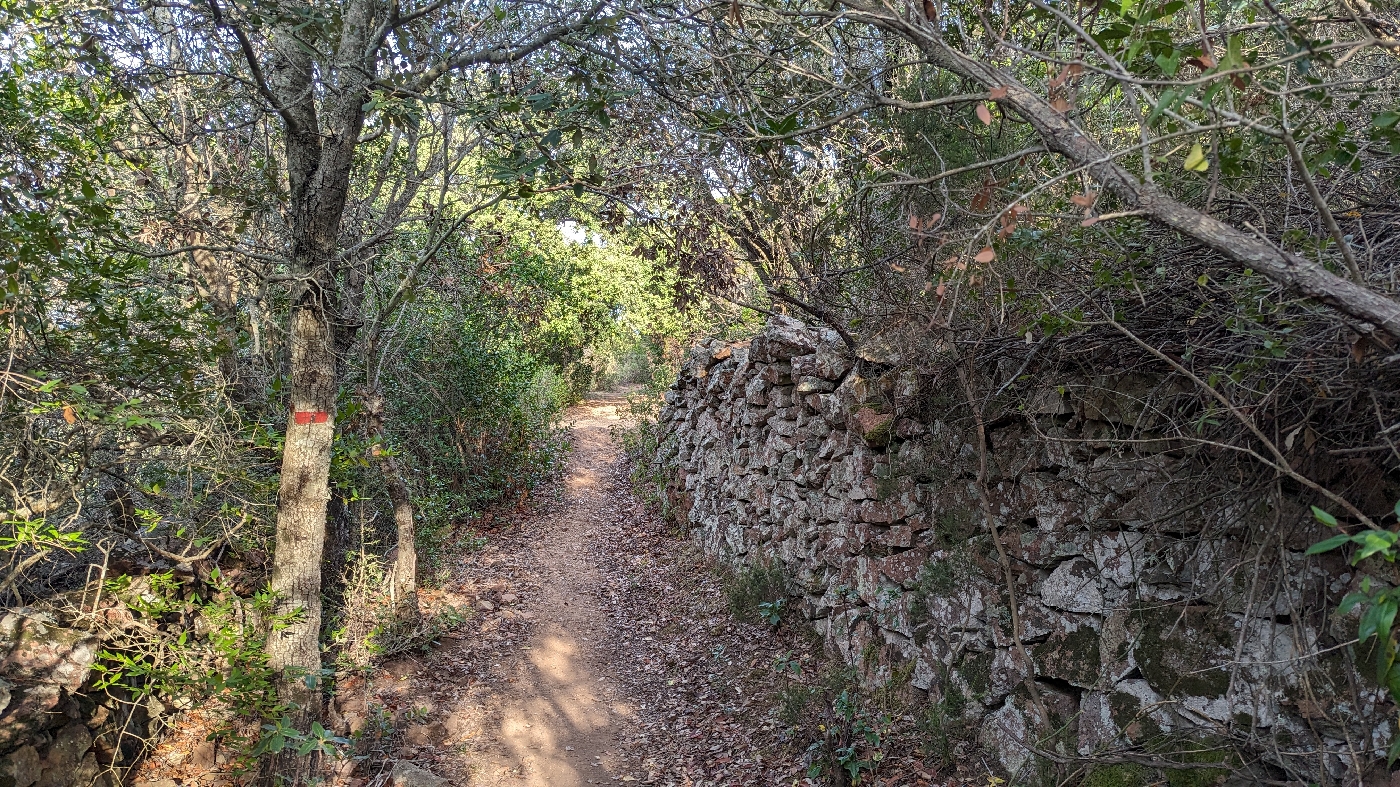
(1169, 99)
(1372, 542)
(1169, 63)
(1164, 11)
(1196, 159)
(1326, 518)
(1349, 603)
(1328, 545)
(1370, 620)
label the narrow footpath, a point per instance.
(551, 712)
(602, 651)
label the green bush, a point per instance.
(476, 417)
(752, 587)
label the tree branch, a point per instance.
(1063, 137)
(259, 81)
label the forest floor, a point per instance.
(601, 651)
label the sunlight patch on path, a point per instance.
(557, 717)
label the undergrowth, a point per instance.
(756, 592)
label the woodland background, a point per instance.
(296, 292)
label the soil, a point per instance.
(551, 713)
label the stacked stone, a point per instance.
(782, 452)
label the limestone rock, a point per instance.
(829, 362)
(1004, 734)
(1074, 587)
(44, 663)
(782, 339)
(872, 427)
(406, 774)
(20, 767)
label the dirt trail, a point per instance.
(524, 694)
(560, 713)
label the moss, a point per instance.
(1128, 716)
(753, 585)
(886, 482)
(1198, 777)
(953, 526)
(1126, 775)
(1174, 651)
(940, 577)
(1072, 656)
(954, 702)
(976, 671)
(936, 578)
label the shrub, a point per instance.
(752, 587)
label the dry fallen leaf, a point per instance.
(1358, 349)
(985, 255)
(998, 92)
(1086, 199)
(984, 114)
(983, 198)
(68, 414)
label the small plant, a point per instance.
(280, 735)
(786, 663)
(843, 727)
(938, 726)
(753, 587)
(39, 535)
(854, 741)
(1379, 603)
(772, 611)
(417, 715)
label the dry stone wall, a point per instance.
(52, 733)
(1142, 607)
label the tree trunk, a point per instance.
(295, 650)
(320, 157)
(403, 575)
(403, 586)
